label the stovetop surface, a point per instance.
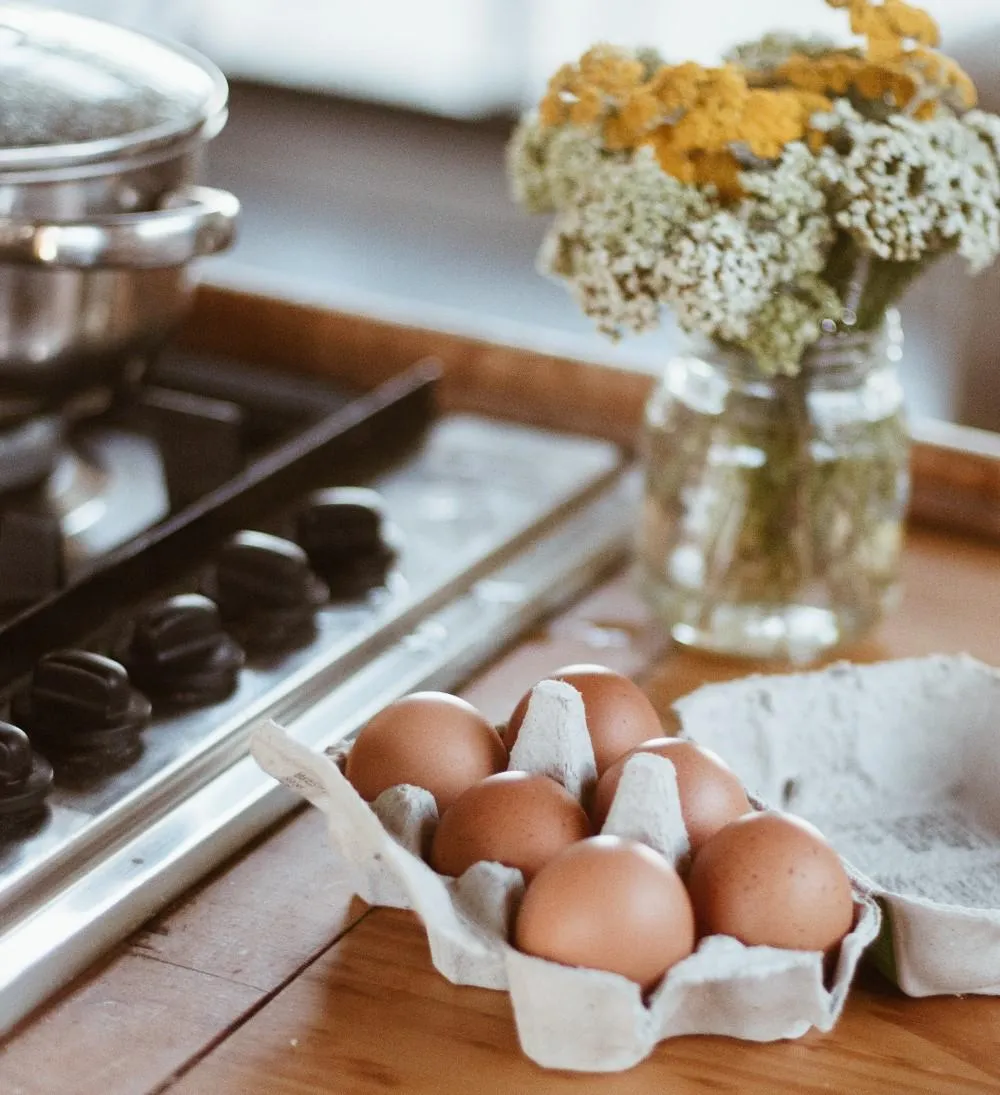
(204, 447)
(483, 525)
(469, 489)
(148, 452)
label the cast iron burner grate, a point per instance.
(204, 449)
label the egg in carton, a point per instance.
(899, 764)
(567, 1017)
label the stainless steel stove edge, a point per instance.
(181, 755)
(47, 948)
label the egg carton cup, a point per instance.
(566, 1017)
(899, 764)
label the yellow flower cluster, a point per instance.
(691, 116)
(886, 23)
(581, 94)
(900, 64)
(698, 119)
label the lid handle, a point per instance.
(191, 221)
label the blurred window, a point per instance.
(469, 58)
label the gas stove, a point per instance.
(220, 545)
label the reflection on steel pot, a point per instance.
(101, 133)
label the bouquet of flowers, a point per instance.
(796, 189)
(779, 205)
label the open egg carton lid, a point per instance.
(567, 1017)
(898, 764)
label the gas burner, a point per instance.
(74, 504)
(32, 433)
(104, 491)
(86, 480)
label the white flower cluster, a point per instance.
(763, 272)
(635, 239)
(788, 206)
(611, 242)
(715, 277)
(904, 188)
(547, 166)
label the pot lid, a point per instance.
(74, 89)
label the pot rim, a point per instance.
(131, 159)
(205, 122)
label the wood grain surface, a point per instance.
(190, 974)
(269, 980)
(373, 1015)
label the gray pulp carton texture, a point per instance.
(567, 1018)
(899, 764)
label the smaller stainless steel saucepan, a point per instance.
(101, 217)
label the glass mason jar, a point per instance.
(773, 508)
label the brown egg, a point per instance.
(518, 819)
(770, 879)
(619, 714)
(430, 740)
(608, 904)
(711, 796)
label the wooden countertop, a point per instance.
(269, 979)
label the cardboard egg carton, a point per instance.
(899, 764)
(567, 1018)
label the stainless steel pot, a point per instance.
(101, 134)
